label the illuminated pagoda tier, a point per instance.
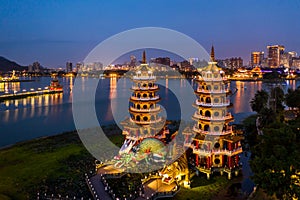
(213, 144)
(144, 121)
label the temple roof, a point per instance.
(212, 64)
(144, 69)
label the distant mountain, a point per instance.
(7, 65)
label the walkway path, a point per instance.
(98, 186)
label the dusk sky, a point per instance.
(54, 32)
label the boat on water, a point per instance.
(55, 85)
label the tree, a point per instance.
(277, 95)
(292, 98)
(277, 158)
(259, 101)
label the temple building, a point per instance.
(144, 121)
(214, 146)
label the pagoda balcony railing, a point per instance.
(199, 103)
(224, 132)
(200, 151)
(144, 88)
(227, 152)
(198, 116)
(213, 91)
(217, 151)
(156, 108)
(144, 77)
(145, 98)
(159, 119)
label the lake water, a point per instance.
(46, 115)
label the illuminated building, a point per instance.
(213, 144)
(257, 58)
(69, 67)
(144, 121)
(232, 63)
(274, 53)
(285, 59)
(296, 63)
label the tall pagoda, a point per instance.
(144, 121)
(213, 144)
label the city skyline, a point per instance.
(56, 32)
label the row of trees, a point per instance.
(276, 152)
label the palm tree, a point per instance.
(259, 101)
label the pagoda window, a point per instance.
(145, 118)
(144, 85)
(216, 128)
(208, 87)
(202, 99)
(216, 87)
(216, 114)
(150, 84)
(201, 113)
(138, 95)
(216, 100)
(138, 118)
(200, 127)
(208, 100)
(145, 106)
(206, 127)
(151, 105)
(217, 161)
(139, 85)
(217, 145)
(216, 75)
(150, 95)
(207, 114)
(144, 95)
(138, 106)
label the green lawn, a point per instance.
(24, 168)
(203, 189)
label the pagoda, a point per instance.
(214, 146)
(145, 121)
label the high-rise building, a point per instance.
(257, 58)
(69, 67)
(285, 59)
(293, 54)
(162, 61)
(274, 52)
(296, 63)
(231, 63)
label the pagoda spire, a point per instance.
(144, 60)
(212, 54)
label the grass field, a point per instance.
(203, 189)
(53, 165)
(57, 164)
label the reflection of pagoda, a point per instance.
(214, 145)
(144, 121)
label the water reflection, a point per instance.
(52, 114)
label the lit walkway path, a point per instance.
(154, 186)
(99, 188)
